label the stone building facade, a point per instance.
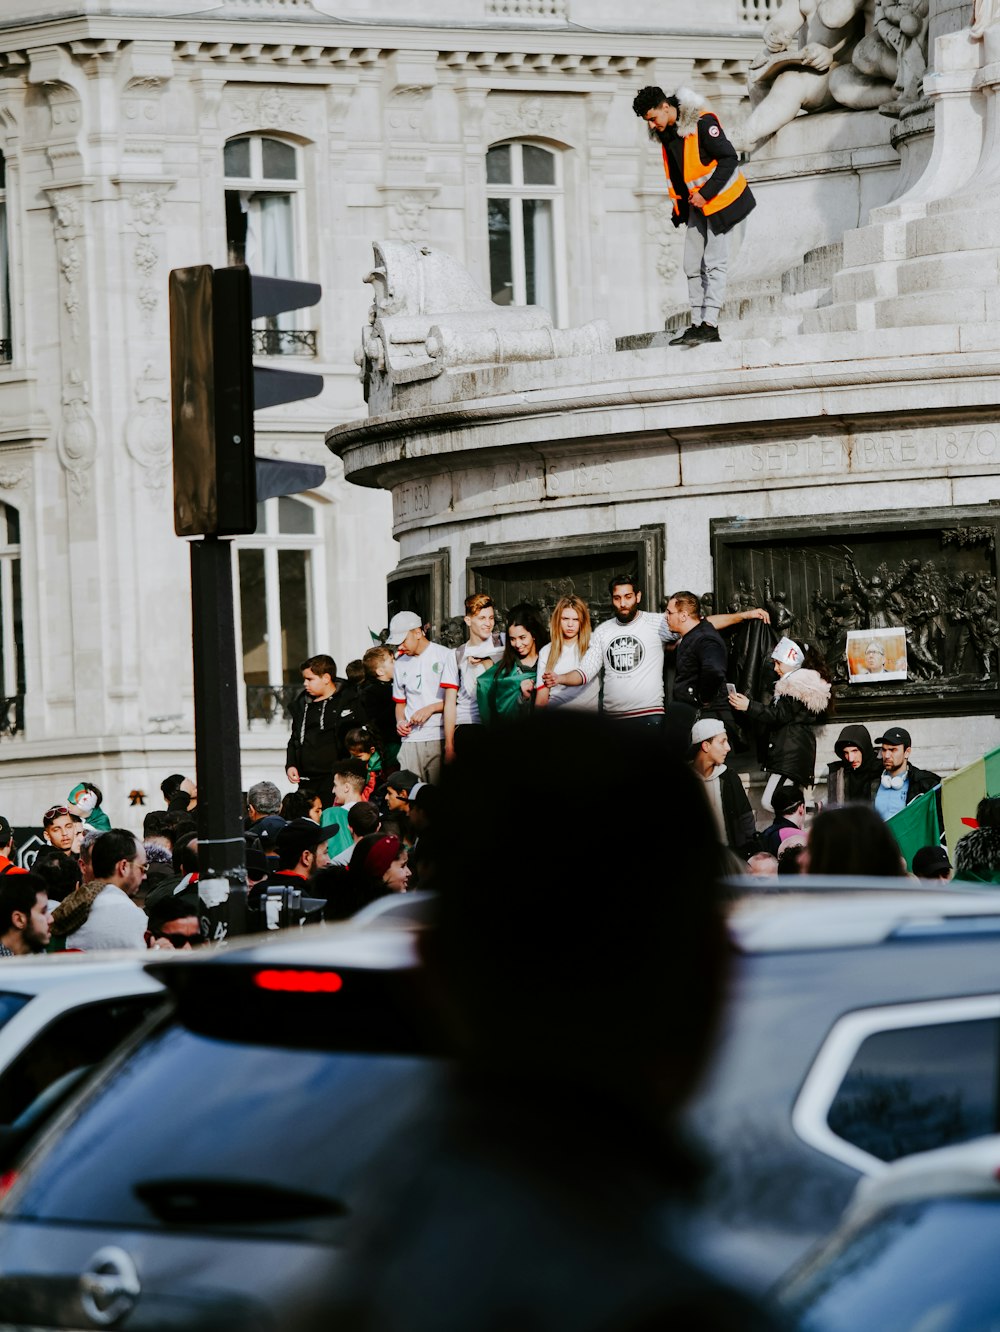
(164, 133)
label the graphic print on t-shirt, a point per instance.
(624, 653)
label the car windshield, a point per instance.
(924, 1266)
(199, 1132)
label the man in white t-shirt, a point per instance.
(422, 675)
(629, 649)
(476, 655)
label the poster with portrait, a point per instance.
(874, 655)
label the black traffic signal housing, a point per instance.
(215, 388)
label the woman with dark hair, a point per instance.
(852, 839)
(801, 702)
(507, 689)
(977, 854)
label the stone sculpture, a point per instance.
(429, 315)
(821, 54)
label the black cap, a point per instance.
(402, 781)
(929, 861)
(303, 835)
(787, 798)
(895, 735)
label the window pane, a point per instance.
(253, 615)
(540, 287)
(261, 516)
(18, 625)
(236, 228)
(919, 1088)
(279, 160)
(12, 530)
(3, 172)
(498, 165)
(539, 165)
(292, 579)
(501, 267)
(236, 157)
(294, 517)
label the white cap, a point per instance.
(401, 624)
(707, 729)
(788, 653)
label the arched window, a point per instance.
(279, 576)
(263, 199)
(6, 348)
(11, 624)
(526, 226)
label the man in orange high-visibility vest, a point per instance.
(710, 195)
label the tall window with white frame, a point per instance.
(6, 346)
(279, 573)
(524, 184)
(263, 202)
(12, 679)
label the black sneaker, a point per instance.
(707, 333)
(688, 338)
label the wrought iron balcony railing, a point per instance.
(12, 714)
(7, 349)
(269, 703)
(284, 342)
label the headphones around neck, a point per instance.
(893, 783)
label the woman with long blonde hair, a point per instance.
(570, 631)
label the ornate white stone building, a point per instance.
(154, 134)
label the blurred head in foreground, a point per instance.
(572, 944)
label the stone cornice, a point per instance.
(630, 398)
(259, 40)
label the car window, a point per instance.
(195, 1131)
(916, 1088)
(10, 1006)
(84, 1035)
(917, 1267)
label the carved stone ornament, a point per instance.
(77, 442)
(409, 217)
(268, 108)
(532, 115)
(147, 429)
(147, 205)
(12, 477)
(68, 223)
(669, 239)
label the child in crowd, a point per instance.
(361, 745)
(376, 696)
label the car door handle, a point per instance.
(109, 1286)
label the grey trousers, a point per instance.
(424, 757)
(706, 258)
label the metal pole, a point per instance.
(222, 884)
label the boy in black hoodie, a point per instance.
(313, 746)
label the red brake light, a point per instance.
(7, 1178)
(299, 982)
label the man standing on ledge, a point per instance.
(710, 195)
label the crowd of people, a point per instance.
(367, 752)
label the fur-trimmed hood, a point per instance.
(689, 107)
(978, 852)
(807, 686)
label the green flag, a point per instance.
(917, 825)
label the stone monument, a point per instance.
(837, 453)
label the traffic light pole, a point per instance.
(221, 849)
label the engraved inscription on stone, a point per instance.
(873, 451)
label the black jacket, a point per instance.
(977, 856)
(700, 668)
(314, 744)
(789, 721)
(921, 781)
(741, 827)
(712, 146)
